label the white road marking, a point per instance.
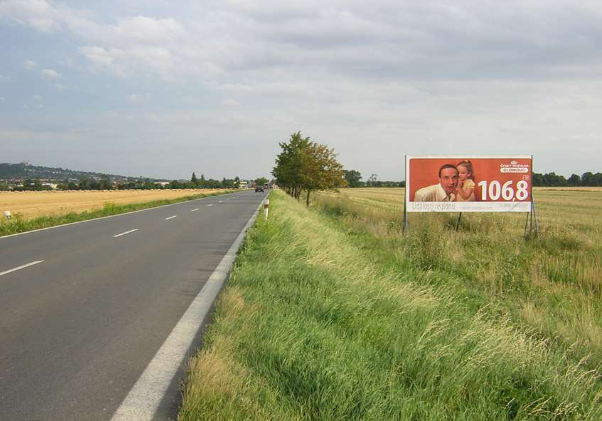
(142, 401)
(21, 267)
(124, 233)
(171, 217)
(210, 204)
(194, 210)
(220, 201)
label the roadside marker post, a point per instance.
(266, 208)
(8, 215)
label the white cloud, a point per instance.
(43, 15)
(50, 73)
(229, 102)
(385, 39)
(347, 71)
(38, 14)
(149, 30)
(139, 98)
(30, 64)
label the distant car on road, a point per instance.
(258, 189)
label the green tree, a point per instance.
(105, 183)
(354, 178)
(33, 184)
(574, 180)
(194, 180)
(320, 169)
(261, 181)
(538, 180)
(307, 166)
(288, 164)
(588, 179)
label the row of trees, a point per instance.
(306, 166)
(551, 179)
(588, 179)
(354, 179)
(33, 185)
(140, 184)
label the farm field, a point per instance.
(552, 284)
(32, 204)
(332, 313)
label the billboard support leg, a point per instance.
(532, 222)
(405, 227)
(535, 216)
(458, 223)
(405, 224)
(527, 223)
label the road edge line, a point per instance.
(143, 400)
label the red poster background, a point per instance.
(424, 172)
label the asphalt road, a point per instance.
(79, 327)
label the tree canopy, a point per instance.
(306, 166)
(353, 177)
(552, 179)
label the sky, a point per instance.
(160, 89)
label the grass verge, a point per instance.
(311, 326)
(19, 224)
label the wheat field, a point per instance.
(33, 204)
(551, 283)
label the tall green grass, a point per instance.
(325, 321)
(19, 224)
(551, 284)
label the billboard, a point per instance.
(468, 184)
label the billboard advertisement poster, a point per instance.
(468, 184)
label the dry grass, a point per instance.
(45, 203)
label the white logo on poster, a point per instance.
(514, 168)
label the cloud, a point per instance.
(386, 39)
(36, 97)
(229, 102)
(38, 14)
(149, 30)
(30, 64)
(344, 71)
(59, 86)
(139, 98)
(50, 73)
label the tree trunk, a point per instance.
(307, 201)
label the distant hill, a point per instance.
(25, 171)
